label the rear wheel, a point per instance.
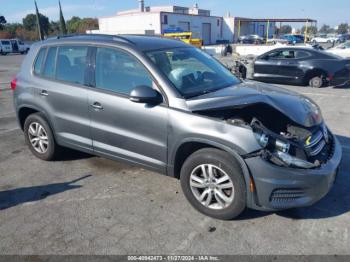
(213, 183)
(39, 137)
(316, 82)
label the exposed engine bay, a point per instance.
(284, 142)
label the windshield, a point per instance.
(192, 71)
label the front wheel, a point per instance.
(213, 183)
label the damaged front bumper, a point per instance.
(278, 188)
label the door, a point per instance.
(206, 33)
(120, 128)
(290, 65)
(60, 91)
(14, 46)
(267, 67)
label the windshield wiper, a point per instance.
(204, 92)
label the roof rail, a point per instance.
(105, 36)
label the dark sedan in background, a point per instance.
(251, 39)
(296, 66)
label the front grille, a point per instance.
(316, 143)
(285, 197)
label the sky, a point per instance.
(325, 11)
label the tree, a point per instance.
(5, 35)
(73, 24)
(343, 28)
(54, 28)
(326, 29)
(30, 24)
(78, 25)
(311, 30)
(2, 22)
(87, 24)
(11, 28)
(285, 29)
(63, 27)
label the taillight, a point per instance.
(14, 83)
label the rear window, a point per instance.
(39, 61)
(50, 63)
(71, 64)
(5, 42)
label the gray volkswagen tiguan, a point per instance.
(171, 108)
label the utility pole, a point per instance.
(38, 22)
(63, 27)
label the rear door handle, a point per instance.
(44, 93)
(97, 106)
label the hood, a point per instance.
(298, 108)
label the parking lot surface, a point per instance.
(89, 205)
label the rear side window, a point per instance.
(71, 64)
(119, 72)
(50, 63)
(39, 61)
(301, 54)
(5, 42)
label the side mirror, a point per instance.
(145, 95)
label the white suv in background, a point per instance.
(325, 39)
(5, 47)
(19, 47)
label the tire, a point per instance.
(223, 166)
(316, 82)
(52, 149)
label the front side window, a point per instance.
(192, 71)
(285, 54)
(39, 61)
(50, 63)
(119, 72)
(71, 64)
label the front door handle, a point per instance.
(44, 93)
(97, 106)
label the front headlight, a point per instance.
(293, 161)
(272, 143)
(279, 150)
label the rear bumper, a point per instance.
(279, 188)
(341, 78)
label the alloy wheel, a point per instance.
(38, 137)
(212, 187)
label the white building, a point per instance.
(157, 20)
